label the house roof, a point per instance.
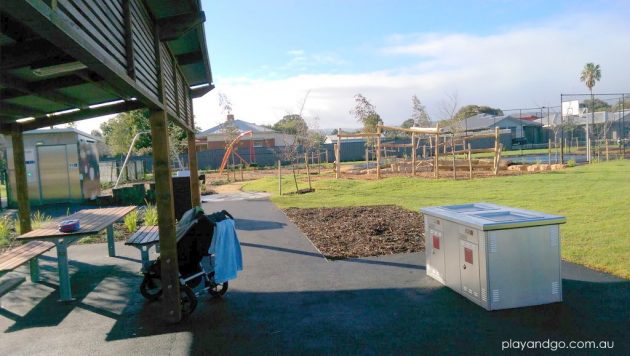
(484, 121)
(63, 130)
(240, 125)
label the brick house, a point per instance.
(215, 137)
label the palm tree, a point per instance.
(590, 75)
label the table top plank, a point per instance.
(92, 222)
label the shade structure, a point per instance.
(68, 60)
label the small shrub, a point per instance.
(131, 221)
(16, 226)
(571, 163)
(39, 219)
(150, 215)
(5, 229)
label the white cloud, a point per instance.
(521, 67)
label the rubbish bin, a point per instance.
(496, 256)
(181, 196)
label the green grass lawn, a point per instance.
(595, 199)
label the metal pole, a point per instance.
(520, 117)
(561, 139)
(122, 170)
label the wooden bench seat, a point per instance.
(29, 252)
(143, 239)
(146, 235)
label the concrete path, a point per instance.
(291, 300)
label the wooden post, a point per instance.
(338, 164)
(367, 160)
(496, 168)
(424, 151)
(319, 162)
(337, 171)
(326, 155)
(195, 192)
(21, 185)
(378, 153)
(166, 215)
(242, 179)
(308, 171)
(496, 148)
(470, 174)
(279, 177)
(453, 154)
(606, 143)
(413, 154)
(436, 168)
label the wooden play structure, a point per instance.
(437, 143)
(230, 150)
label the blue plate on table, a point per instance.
(69, 226)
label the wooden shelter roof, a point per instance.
(67, 60)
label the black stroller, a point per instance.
(194, 236)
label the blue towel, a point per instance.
(228, 259)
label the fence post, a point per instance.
(279, 177)
(413, 154)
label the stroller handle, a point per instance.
(227, 214)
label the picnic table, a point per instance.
(92, 221)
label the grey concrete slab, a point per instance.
(289, 299)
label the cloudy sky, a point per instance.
(267, 55)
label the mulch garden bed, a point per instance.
(361, 231)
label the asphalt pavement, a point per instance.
(291, 300)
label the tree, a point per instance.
(365, 113)
(472, 110)
(448, 109)
(419, 114)
(619, 106)
(596, 105)
(408, 123)
(591, 74)
(291, 124)
(101, 146)
(225, 103)
(334, 132)
(119, 132)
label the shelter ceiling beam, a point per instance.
(45, 121)
(189, 58)
(60, 30)
(171, 28)
(9, 81)
(200, 91)
(18, 111)
(24, 54)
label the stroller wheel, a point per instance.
(151, 288)
(188, 300)
(215, 290)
